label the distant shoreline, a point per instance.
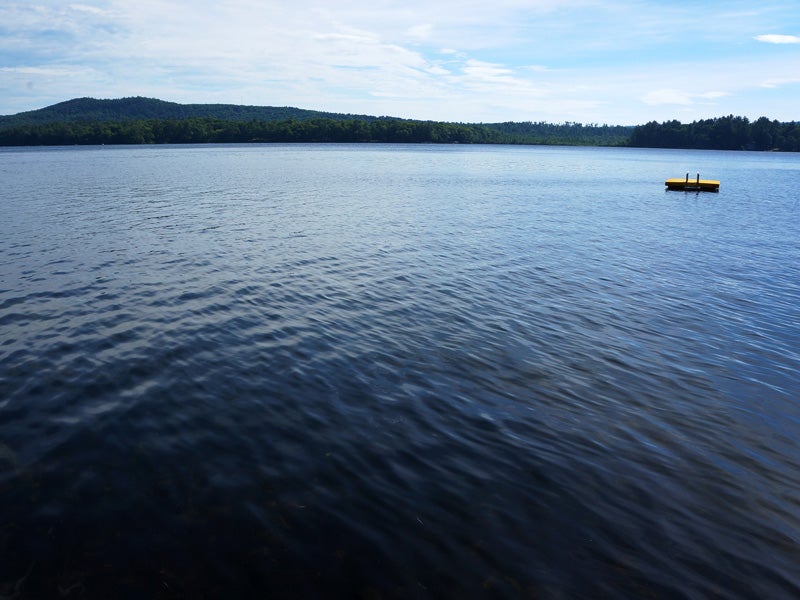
(88, 121)
(211, 130)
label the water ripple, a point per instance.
(393, 372)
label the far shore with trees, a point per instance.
(87, 121)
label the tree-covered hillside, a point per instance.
(211, 130)
(133, 109)
(724, 133)
(150, 121)
(567, 133)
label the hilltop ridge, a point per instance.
(138, 107)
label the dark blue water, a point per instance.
(398, 371)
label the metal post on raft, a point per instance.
(698, 179)
(687, 178)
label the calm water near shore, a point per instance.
(398, 371)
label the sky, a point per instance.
(615, 62)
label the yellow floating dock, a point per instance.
(693, 185)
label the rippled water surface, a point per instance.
(398, 371)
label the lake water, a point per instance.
(399, 372)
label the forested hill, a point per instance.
(723, 133)
(150, 121)
(138, 108)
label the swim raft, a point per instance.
(692, 185)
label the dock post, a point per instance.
(698, 179)
(687, 179)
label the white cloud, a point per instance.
(495, 79)
(486, 71)
(47, 71)
(671, 96)
(437, 70)
(667, 96)
(774, 38)
(537, 68)
(779, 82)
(420, 32)
(87, 9)
(713, 95)
(577, 60)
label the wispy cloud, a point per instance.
(87, 8)
(774, 38)
(681, 97)
(779, 82)
(611, 61)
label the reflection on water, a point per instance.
(397, 371)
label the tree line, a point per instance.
(575, 134)
(723, 133)
(214, 130)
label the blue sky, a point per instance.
(590, 61)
